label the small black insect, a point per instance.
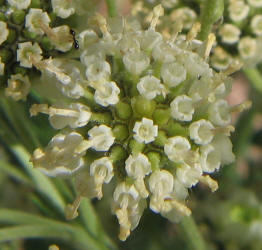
(199, 77)
(76, 44)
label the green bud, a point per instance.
(161, 116)
(6, 55)
(123, 110)
(160, 139)
(117, 153)
(120, 132)
(135, 146)
(101, 118)
(18, 16)
(46, 44)
(174, 128)
(11, 36)
(143, 107)
(20, 70)
(29, 35)
(35, 4)
(154, 159)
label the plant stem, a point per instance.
(191, 233)
(211, 11)
(254, 78)
(111, 8)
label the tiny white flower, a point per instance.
(169, 3)
(145, 131)
(182, 108)
(35, 20)
(149, 87)
(98, 71)
(60, 158)
(219, 113)
(255, 3)
(107, 94)
(136, 62)
(18, 87)
(128, 43)
(221, 59)
(223, 145)
(238, 10)
(61, 38)
(86, 38)
(176, 148)
(209, 158)
(74, 115)
(19, 4)
(161, 183)
(27, 54)
(256, 24)
(101, 137)
(3, 32)
(149, 39)
(247, 47)
(63, 8)
(187, 15)
(173, 74)
(102, 171)
(125, 195)
(163, 52)
(229, 33)
(137, 166)
(201, 132)
(189, 175)
(2, 67)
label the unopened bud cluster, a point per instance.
(143, 113)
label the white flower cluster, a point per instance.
(148, 112)
(240, 13)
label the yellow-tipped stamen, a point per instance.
(209, 43)
(158, 11)
(211, 183)
(224, 130)
(101, 21)
(183, 209)
(235, 66)
(241, 107)
(71, 209)
(177, 29)
(193, 31)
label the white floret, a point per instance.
(256, 25)
(63, 8)
(19, 4)
(176, 148)
(173, 74)
(101, 138)
(238, 10)
(27, 54)
(182, 108)
(201, 132)
(149, 39)
(150, 86)
(247, 47)
(163, 52)
(107, 94)
(136, 62)
(61, 38)
(229, 33)
(219, 113)
(255, 3)
(18, 87)
(35, 20)
(98, 71)
(137, 166)
(145, 131)
(210, 158)
(3, 32)
(189, 175)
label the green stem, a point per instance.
(254, 78)
(192, 235)
(111, 8)
(212, 10)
